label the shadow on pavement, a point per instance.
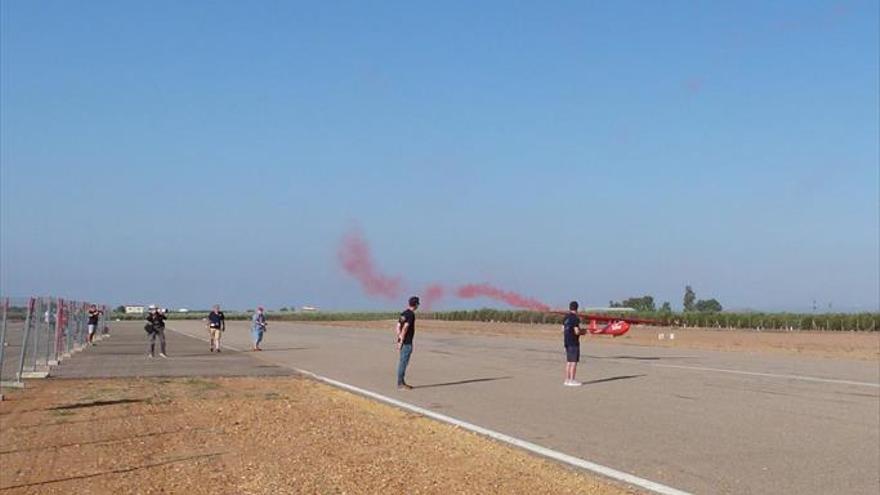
(639, 358)
(612, 379)
(463, 382)
(285, 349)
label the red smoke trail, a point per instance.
(471, 291)
(355, 258)
(431, 295)
(693, 85)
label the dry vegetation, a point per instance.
(249, 435)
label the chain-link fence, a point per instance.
(36, 333)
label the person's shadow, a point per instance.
(463, 382)
(278, 349)
(612, 379)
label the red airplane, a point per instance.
(614, 325)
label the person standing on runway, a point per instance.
(571, 332)
(216, 326)
(94, 318)
(406, 329)
(258, 327)
(156, 318)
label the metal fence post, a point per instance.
(74, 327)
(3, 332)
(50, 331)
(38, 327)
(77, 338)
(27, 331)
(77, 343)
(80, 327)
(3, 328)
(68, 328)
(59, 329)
(83, 330)
(105, 326)
(68, 323)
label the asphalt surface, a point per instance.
(40, 348)
(124, 354)
(700, 421)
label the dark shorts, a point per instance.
(572, 353)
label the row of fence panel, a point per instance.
(37, 333)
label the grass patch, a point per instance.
(201, 388)
(201, 384)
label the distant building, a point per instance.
(309, 309)
(134, 310)
(183, 310)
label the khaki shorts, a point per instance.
(215, 333)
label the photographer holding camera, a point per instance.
(156, 320)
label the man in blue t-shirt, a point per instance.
(258, 327)
(571, 332)
(406, 329)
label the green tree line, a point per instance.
(760, 321)
(718, 320)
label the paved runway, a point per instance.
(700, 421)
(124, 354)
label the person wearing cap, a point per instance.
(156, 318)
(216, 326)
(258, 327)
(406, 329)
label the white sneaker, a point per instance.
(162, 354)
(573, 383)
(149, 356)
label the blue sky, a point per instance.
(188, 153)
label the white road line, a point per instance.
(771, 375)
(501, 437)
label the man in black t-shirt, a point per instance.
(94, 318)
(571, 332)
(216, 326)
(406, 329)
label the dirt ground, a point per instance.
(249, 435)
(847, 345)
